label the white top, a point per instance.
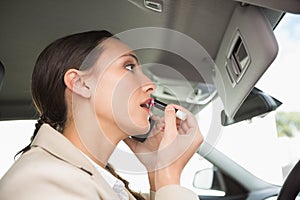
(117, 185)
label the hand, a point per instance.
(146, 151)
(170, 146)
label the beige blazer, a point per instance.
(54, 169)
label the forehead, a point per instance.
(108, 52)
(115, 48)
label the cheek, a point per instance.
(128, 114)
(117, 100)
(103, 98)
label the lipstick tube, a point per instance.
(161, 105)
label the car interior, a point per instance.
(197, 52)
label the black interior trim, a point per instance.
(2, 73)
(291, 186)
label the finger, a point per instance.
(170, 122)
(178, 122)
(181, 131)
(159, 123)
(185, 127)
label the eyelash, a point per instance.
(130, 67)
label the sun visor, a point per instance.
(248, 48)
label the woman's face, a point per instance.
(121, 90)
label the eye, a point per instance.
(130, 67)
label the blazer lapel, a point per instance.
(56, 144)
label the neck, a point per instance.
(84, 131)
(92, 143)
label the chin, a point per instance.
(140, 129)
(139, 125)
(132, 129)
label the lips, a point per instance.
(147, 104)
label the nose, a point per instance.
(148, 85)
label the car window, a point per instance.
(14, 136)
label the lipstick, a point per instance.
(161, 105)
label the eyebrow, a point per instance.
(132, 55)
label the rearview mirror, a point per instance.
(257, 103)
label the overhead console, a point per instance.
(247, 50)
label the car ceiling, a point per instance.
(28, 26)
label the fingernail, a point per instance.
(169, 108)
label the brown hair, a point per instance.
(47, 83)
(109, 168)
(48, 87)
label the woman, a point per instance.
(91, 93)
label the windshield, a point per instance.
(268, 147)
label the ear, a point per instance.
(74, 81)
